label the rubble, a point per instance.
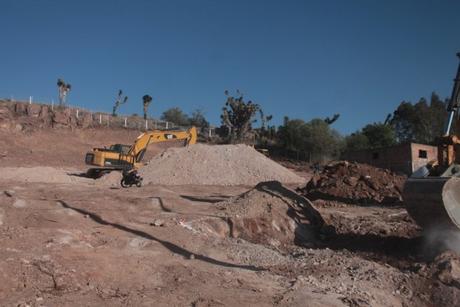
(447, 266)
(355, 183)
(271, 214)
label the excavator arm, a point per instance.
(454, 102)
(139, 147)
(432, 194)
(103, 160)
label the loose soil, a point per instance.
(66, 240)
(355, 183)
(270, 214)
(215, 165)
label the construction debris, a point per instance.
(355, 183)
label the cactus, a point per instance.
(237, 116)
(63, 90)
(120, 100)
(147, 99)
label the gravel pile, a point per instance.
(215, 165)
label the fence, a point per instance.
(103, 119)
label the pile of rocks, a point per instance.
(355, 183)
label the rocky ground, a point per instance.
(67, 240)
(355, 183)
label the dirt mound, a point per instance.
(355, 183)
(215, 165)
(271, 214)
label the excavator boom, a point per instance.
(119, 157)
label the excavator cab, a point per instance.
(120, 148)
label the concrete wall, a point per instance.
(405, 158)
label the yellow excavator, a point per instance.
(432, 194)
(129, 157)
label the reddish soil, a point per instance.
(63, 147)
(77, 242)
(355, 183)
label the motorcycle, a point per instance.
(130, 178)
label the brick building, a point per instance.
(405, 158)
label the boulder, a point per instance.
(61, 118)
(44, 111)
(33, 110)
(448, 268)
(20, 108)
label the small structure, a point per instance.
(405, 158)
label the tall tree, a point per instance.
(238, 117)
(198, 119)
(356, 141)
(290, 134)
(146, 99)
(119, 101)
(63, 89)
(379, 135)
(321, 141)
(176, 116)
(315, 137)
(421, 122)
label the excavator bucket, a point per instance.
(434, 202)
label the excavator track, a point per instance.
(434, 202)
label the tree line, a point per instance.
(420, 122)
(317, 140)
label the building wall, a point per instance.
(403, 158)
(422, 154)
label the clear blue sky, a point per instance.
(303, 59)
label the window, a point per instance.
(375, 155)
(422, 154)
